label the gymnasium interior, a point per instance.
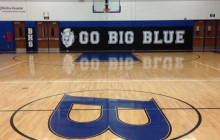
(109, 69)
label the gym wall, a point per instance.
(81, 10)
(132, 15)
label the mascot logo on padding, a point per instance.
(67, 37)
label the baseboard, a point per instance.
(20, 50)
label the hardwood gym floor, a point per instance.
(185, 87)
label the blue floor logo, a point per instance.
(157, 128)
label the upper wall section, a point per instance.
(84, 10)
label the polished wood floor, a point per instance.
(184, 85)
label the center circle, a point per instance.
(105, 90)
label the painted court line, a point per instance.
(207, 65)
(111, 109)
(10, 66)
(116, 81)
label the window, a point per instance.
(20, 32)
(209, 30)
(52, 32)
(197, 30)
(43, 31)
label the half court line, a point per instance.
(110, 109)
(112, 81)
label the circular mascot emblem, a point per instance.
(68, 37)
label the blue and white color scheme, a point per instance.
(157, 128)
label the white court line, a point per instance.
(10, 66)
(119, 81)
(206, 65)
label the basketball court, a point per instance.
(109, 70)
(154, 95)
